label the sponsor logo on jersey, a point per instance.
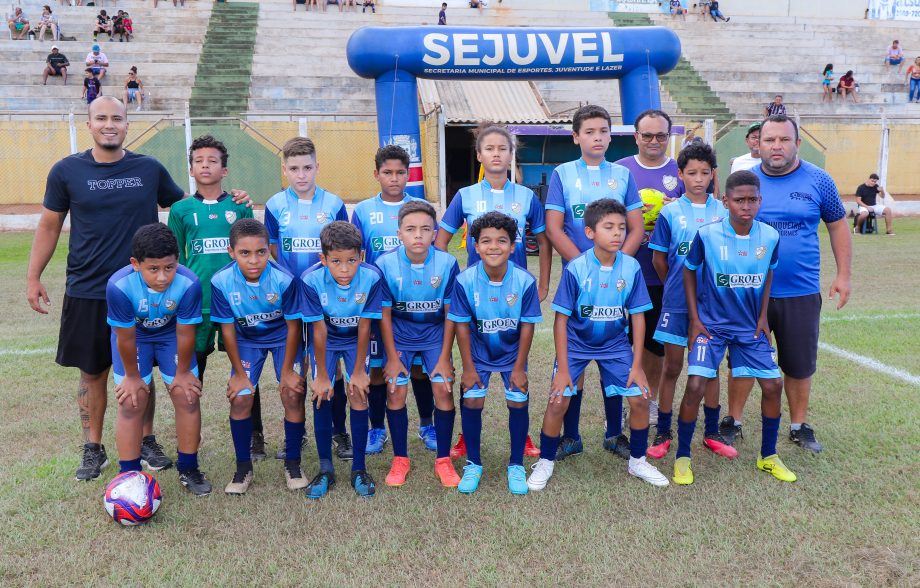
(516, 207)
(301, 245)
(612, 184)
(760, 252)
(252, 320)
(669, 182)
(739, 280)
(435, 281)
(601, 313)
(384, 243)
(361, 297)
(344, 321)
(511, 299)
(804, 196)
(210, 245)
(621, 285)
(578, 211)
(417, 305)
(156, 323)
(272, 297)
(114, 184)
(170, 304)
(496, 325)
(230, 215)
(683, 248)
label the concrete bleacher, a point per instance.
(165, 49)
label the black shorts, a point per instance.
(655, 293)
(85, 338)
(795, 323)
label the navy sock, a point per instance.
(399, 431)
(664, 422)
(572, 417)
(424, 400)
(359, 425)
(444, 430)
(613, 411)
(471, 423)
(518, 423)
(377, 405)
(711, 418)
(129, 465)
(684, 437)
(187, 462)
(293, 439)
(548, 446)
(322, 430)
(241, 430)
(638, 442)
(768, 436)
(339, 406)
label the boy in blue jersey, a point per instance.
(341, 297)
(378, 220)
(674, 231)
(153, 306)
(600, 294)
(256, 303)
(727, 308)
(573, 186)
(501, 300)
(419, 281)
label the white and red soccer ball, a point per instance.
(132, 498)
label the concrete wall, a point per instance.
(805, 8)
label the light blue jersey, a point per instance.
(131, 303)
(294, 226)
(495, 311)
(342, 307)
(378, 221)
(518, 202)
(733, 271)
(674, 231)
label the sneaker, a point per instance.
(569, 447)
(281, 455)
(363, 484)
(805, 438)
(646, 471)
(320, 485)
(152, 456)
(398, 472)
(716, 444)
(93, 462)
(619, 445)
(257, 446)
(195, 481)
(240, 483)
(531, 450)
(428, 435)
(774, 465)
(652, 413)
(472, 473)
(729, 430)
(517, 480)
(376, 441)
(683, 473)
(293, 476)
(660, 445)
(458, 450)
(542, 472)
(341, 443)
(445, 471)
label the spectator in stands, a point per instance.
(103, 25)
(677, 9)
(301, 2)
(442, 16)
(867, 199)
(55, 65)
(828, 77)
(118, 25)
(847, 86)
(47, 22)
(895, 55)
(97, 61)
(477, 4)
(775, 107)
(913, 78)
(91, 85)
(326, 4)
(19, 24)
(715, 13)
(155, 2)
(369, 4)
(704, 8)
(134, 89)
(752, 159)
(129, 26)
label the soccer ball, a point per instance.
(652, 201)
(132, 498)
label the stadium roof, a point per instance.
(472, 101)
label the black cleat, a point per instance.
(341, 443)
(729, 430)
(618, 445)
(257, 446)
(805, 438)
(195, 481)
(93, 462)
(152, 456)
(569, 447)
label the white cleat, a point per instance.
(643, 470)
(542, 472)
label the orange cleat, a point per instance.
(398, 472)
(716, 443)
(530, 450)
(459, 450)
(444, 469)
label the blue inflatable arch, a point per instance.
(396, 56)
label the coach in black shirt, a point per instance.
(867, 199)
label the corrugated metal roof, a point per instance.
(472, 101)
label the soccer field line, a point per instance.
(869, 317)
(872, 364)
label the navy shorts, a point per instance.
(672, 328)
(348, 357)
(795, 324)
(163, 354)
(748, 357)
(428, 359)
(84, 338)
(614, 374)
(655, 294)
(253, 360)
(512, 394)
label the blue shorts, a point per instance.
(614, 374)
(511, 394)
(376, 350)
(333, 356)
(164, 352)
(253, 360)
(672, 328)
(747, 358)
(897, 61)
(132, 94)
(427, 358)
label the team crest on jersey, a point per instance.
(272, 297)
(511, 299)
(670, 182)
(435, 281)
(716, 218)
(322, 217)
(621, 285)
(230, 215)
(612, 184)
(760, 252)
(360, 297)
(516, 207)
(170, 305)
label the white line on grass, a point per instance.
(868, 317)
(872, 364)
(27, 351)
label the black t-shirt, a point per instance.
(867, 194)
(58, 60)
(107, 202)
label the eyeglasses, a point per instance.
(660, 137)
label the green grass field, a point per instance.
(851, 519)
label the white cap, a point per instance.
(53, 47)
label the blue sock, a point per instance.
(711, 418)
(613, 411)
(471, 424)
(187, 462)
(664, 422)
(322, 430)
(339, 405)
(444, 430)
(241, 430)
(399, 431)
(359, 424)
(548, 446)
(768, 436)
(572, 417)
(377, 405)
(638, 442)
(518, 423)
(293, 439)
(684, 437)
(424, 400)
(129, 465)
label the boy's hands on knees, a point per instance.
(358, 385)
(238, 383)
(695, 330)
(291, 381)
(637, 377)
(445, 369)
(470, 379)
(129, 389)
(561, 381)
(320, 389)
(518, 379)
(188, 384)
(392, 370)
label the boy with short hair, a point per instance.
(727, 308)
(256, 303)
(598, 291)
(342, 295)
(377, 219)
(419, 281)
(153, 306)
(502, 301)
(91, 85)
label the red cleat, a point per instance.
(531, 450)
(459, 450)
(716, 443)
(444, 470)
(660, 446)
